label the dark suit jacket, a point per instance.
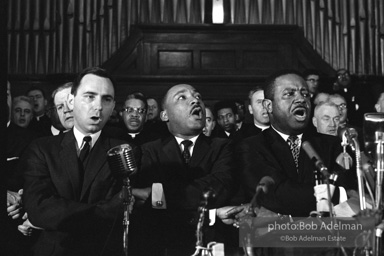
(211, 165)
(76, 218)
(18, 139)
(42, 127)
(267, 154)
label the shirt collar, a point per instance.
(133, 135)
(54, 130)
(262, 127)
(286, 136)
(193, 139)
(79, 137)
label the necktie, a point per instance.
(293, 142)
(85, 150)
(186, 154)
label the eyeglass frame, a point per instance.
(130, 110)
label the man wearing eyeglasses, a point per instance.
(134, 114)
(358, 96)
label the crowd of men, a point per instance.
(63, 198)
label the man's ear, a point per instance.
(267, 104)
(250, 109)
(377, 107)
(71, 99)
(237, 117)
(164, 116)
(314, 121)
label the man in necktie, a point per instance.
(276, 152)
(69, 189)
(186, 163)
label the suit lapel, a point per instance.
(282, 153)
(69, 162)
(97, 159)
(172, 149)
(200, 150)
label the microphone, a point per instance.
(263, 187)
(121, 160)
(315, 158)
(348, 134)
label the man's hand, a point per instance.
(27, 227)
(14, 197)
(231, 215)
(14, 211)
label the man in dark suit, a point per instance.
(226, 119)
(269, 154)
(69, 189)
(186, 163)
(276, 152)
(134, 117)
(41, 122)
(258, 112)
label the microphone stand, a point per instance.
(379, 169)
(200, 249)
(127, 194)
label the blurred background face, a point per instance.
(9, 99)
(38, 101)
(343, 78)
(313, 83)
(327, 119)
(22, 113)
(342, 105)
(240, 111)
(134, 115)
(64, 113)
(256, 108)
(153, 109)
(226, 119)
(209, 122)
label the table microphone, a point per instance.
(121, 160)
(315, 158)
(263, 187)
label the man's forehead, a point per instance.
(134, 102)
(291, 80)
(91, 82)
(208, 112)
(224, 111)
(181, 88)
(35, 92)
(326, 109)
(258, 94)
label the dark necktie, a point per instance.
(293, 142)
(186, 154)
(84, 152)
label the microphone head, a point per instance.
(121, 160)
(265, 183)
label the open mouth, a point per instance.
(300, 113)
(96, 118)
(197, 112)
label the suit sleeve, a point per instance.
(287, 196)
(184, 192)
(48, 209)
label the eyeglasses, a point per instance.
(130, 110)
(342, 106)
(313, 80)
